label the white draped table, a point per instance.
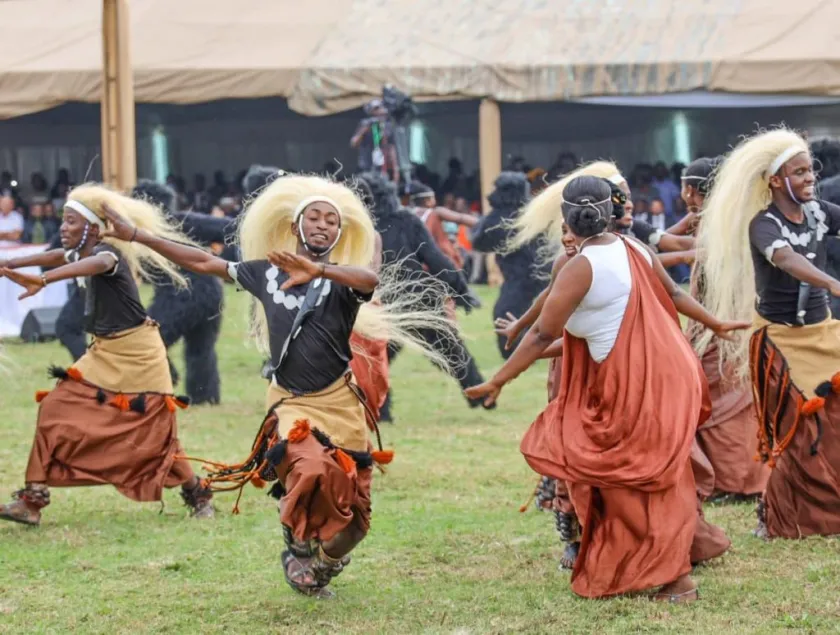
(12, 310)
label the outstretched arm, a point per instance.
(452, 216)
(515, 327)
(672, 258)
(189, 258)
(86, 267)
(801, 268)
(571, 286)
(47, 259)
(688, 306)
(670, 242)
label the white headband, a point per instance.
(85, 211)
(783, 158)
(315, 199)
(616, 179)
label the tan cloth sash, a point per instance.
(131, 361)
(335, 411)
(812, 352)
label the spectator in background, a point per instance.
(669, 192)
(657, 215)
(642, 183)
(11, 222)
(40, 189)
(566, 163)
(640, 208)
(220, 187)
(38, 228)
(199, 198)
(456, 182)
(62, 186)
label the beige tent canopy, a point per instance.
(331, 55)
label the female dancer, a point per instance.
(111, 417)
(764, 237)
(631, 396)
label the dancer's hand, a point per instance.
(118, 226)
(489, 391)
(300, 269)
(508, 326)
(834, 289)
(32, 284)
(724, 329)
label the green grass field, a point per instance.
(448, 551)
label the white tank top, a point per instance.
(598, 317)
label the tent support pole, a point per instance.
(490, 164)
(119, 159)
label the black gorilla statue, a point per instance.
(194, 313)
(405, 240)
(523, 278)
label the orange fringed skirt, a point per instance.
(795, 380)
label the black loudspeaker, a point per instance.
(39, 324)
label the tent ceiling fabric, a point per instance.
(327, 56)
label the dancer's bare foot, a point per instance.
(680, 591)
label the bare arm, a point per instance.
(452, 216)
(376, 264)
(530, 316)
(672, 258)
(15, 235)
(84, 268)
(670, 242)
(190, 258)
(555, 349)
(570, 287)
(800, 268)
(685, 226)
(361, 279)
(356, 139)
(688, 306)
(48, 259)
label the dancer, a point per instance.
(727, 437)
(111, 417)
(763, 237)
(623, 452)
(306, 244)
(709, 540)
(829, 190)
(523, 277)
(407, 245)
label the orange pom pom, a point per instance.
(835, 382)
(812, 406)
(74, 374)
(347, 464)
(257, 482)
(170, 403)
(181, 404)
(299, 431)
(383, 457)
(39, 396)
(121, 402)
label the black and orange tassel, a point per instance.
(382, 457)
(39, 395)
(812, 406)
(343, 459)
(138, 404)
(74, 374)
(299, 431)
(120, 401)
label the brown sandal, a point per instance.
(295, 581)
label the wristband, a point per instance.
(44, 280)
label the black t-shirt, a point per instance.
(777, 291)
(112, 301)
(319, 354)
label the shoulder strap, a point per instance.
(306, 309)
